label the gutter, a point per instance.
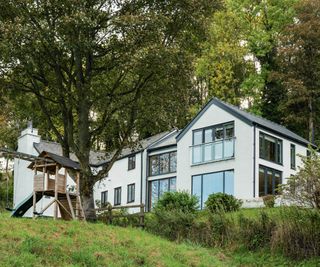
(141, 181)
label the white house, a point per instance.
(223, 149)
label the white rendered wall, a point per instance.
(119, 175)
(242, 164)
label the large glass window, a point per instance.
(270, 148)
(269, 181)
(132, 162)
(130, 193)
(158, 187)
(293, 156)
(117, 196)
(104, 198)
(163, 163)
(213, 143)
(206, 184)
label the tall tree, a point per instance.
(95, 66)
(299, 59)
(240, 53)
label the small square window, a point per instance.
(104, 198)
(131, 193)
(132, 162)
(117, 196)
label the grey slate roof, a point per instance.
(169, 140)
(248, 118)
(98, 158)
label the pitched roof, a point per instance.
(247, 117)
(167, 141)
(63, 161)
(98, 158)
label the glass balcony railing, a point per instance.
(218, 150)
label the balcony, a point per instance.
(214, 151)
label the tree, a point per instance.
(299, 60)
(241, 52)
(304, 187)
(96, 66)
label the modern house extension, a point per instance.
(223, 149)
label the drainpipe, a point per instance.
(141, 181)
(254, 160)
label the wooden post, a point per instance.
(55, 214)
(109, 214)
(77, 195)
(142, 215)
(34, 203)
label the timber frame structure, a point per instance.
(49, 181)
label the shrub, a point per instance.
(269, 201)
(304, 187)
(298, 233)
(174, 214)
(182, 201)
(256, 233)
(222, 202)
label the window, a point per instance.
(104, 198)
(130, 193)
(213, 143)
(132, 162)
(205, 184)
(293, 156)
(270, 148)
(269, 181)
(163, 163)
(158, 187)
(117, 196)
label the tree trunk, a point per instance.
(88, 207)
(311, 123)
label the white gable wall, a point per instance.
(242, 164)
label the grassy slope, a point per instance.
(24, 242)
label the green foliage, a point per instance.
(6, 191)
(298, 53)
(182, 201)
(303, 188)
(256, 233)
(221, 202)
(269, 201)
(174, 214)
(298, 233)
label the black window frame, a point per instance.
(132, 162)
(158, 180)
(159, 167)
(262, 149)
(202, 174)
(266, 169)
(104, 198)
(293, 156)
(116, 190)
(214, 127)
(131, 188)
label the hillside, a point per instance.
(44, 242)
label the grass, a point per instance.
(44, 242)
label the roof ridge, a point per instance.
(256, 115)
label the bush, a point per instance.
(174, 214)
(298, 233)
(222, 202)
(256, 233)
(269, 201)
(182, 201)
